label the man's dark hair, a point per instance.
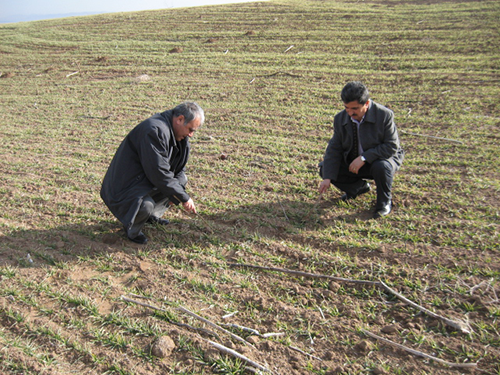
(355, 91)
(190, 111)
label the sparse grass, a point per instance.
(70, 93)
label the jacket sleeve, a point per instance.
(155, 153)
(334, 152)
(383, 141)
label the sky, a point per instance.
(31, 10)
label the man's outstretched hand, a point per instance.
(189, 206)
(324, 185)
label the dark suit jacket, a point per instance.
(378, 136)
(148, 161)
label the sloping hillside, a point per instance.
(77, 297)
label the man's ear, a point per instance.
(180, 118)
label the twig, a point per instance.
(126, 299)
(230, 315)
(303, 352)
(137, 296)
(251, 330)
(71, 74)
(283, 208)
(416, 352)
(305, 274)
(321, 312)
(431, 136)
(213, 325)
(206, 331)
(473, 289)
(273, 334)
(289, 48)
(226, 350)
(276, 73)
(95, 117)
(461, 326)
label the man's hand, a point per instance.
(356, 165)
(325, 184)
(189, 206)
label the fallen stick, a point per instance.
(213, 325)
(279, 72)
(420, 354)
(305, 353)
(226, 350)
(431, 136)
(305, 274)
(206, 331)
(273, 334)
(230, 315)
(126, 299)
(246, 329)
(254, 331)
(461, 326)
(283, 208)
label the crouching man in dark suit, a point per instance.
(365, 145)
(147, 172)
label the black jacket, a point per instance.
(148, 161)
(378, 136)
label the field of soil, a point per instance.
(268, 277)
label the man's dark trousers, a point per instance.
(381, 171)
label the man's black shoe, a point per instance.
(384, 211)
(365, 189)
(140, 239)
(157, 220)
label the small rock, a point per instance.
(143, 78)
(328, 356)
(162, 347)
(393, 328)
(144, 267)
(176, 50)
(379, 371)
(333, 286)
(253, 339)
(363, 346)
(211, 355)
(336, 371)
(110, 239)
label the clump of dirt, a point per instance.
(162, 347)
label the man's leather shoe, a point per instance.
(365, 189)
(157, 220)
(384, 211)
(140, 239)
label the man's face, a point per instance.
(182, 131)
(356, 110)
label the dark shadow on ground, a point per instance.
(281, 220)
